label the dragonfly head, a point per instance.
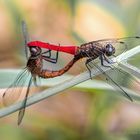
(35, 51)
(109, 50)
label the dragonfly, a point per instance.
(102, 49)
(36, 56)
(34, 69)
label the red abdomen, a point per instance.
(67, 49)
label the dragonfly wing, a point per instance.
(121, 44)
(22, 110)
(26, 37)
(14, 91)
(114, 40)
(114, 82)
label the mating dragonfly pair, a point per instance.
(102, 49)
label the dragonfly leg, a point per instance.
(102, 61)
(107, 60)
(49, 51)
(52, 60)
(87, 66)
(57, 56)
(49, 59)
(35, 81)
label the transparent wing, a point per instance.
(115, 77)
(26, 37)
(121, 44)
(20, 86)
(14, 91)
(125, 80)
(117, 39)
(22, 110)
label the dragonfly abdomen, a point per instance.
(50, 74)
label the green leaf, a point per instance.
(74, 82)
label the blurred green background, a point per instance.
(75, 114)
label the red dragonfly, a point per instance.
(102, 49)
(34, 69)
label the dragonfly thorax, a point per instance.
(34, 63)
(109, 50)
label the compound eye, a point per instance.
(109, 49)
(33, 50)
